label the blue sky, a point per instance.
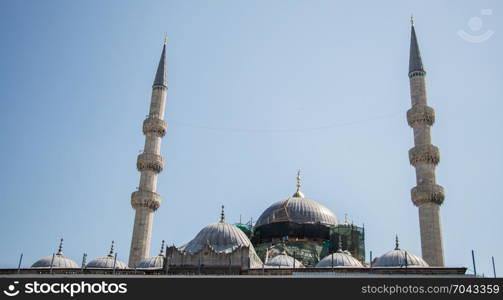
(257, 90)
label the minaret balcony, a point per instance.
(428, 154)
(154, 125)
(150, 162)
(145, 199)
(420, 114)
(428, 193)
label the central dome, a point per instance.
(298, 210)
(297, 217)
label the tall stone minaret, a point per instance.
(145, 200)
(426, 195)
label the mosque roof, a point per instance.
(57, 260)
(107, 262)
(297, 209)
(399, 258)
(154, 262)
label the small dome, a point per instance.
(399, 258)
(60, 261)
(283, 261)
(339, 259)
(154, 262)
(107, 262)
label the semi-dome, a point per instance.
(59, 261)
(222, 237)
(399, 258)
(339, 259)
(107, 262)
(154, 262)
(297, 209)
(283, 260)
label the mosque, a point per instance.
(292, 236)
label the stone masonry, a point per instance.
(145, 200)
(426, 195)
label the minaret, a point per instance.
(145, 200)
(426, 195)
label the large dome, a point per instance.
(59, 261)
(399, 258)
(298, 210)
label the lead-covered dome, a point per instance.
(107, 262)
(297, 209)
(283, 260)
(57, 260)
(399, 258)
(154, 262)
(222, 237)
(339, 259)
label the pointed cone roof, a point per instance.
(415, 62)
(161, 77)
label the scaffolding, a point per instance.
(352, 239)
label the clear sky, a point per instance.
(257, 90)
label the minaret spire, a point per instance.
(415, 61)
(145, 200)
(161, 77)
(427, 195)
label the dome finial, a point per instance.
(60, 249)
(298, 193)
(162, 249)
(222, 215)
(396, 243)
(111, 249)
(340, 244)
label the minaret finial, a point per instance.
(396, 243)
(412, 19)
(298, 193)
(340, 244)
(165, 38)
(222, 215)
(111, 249)
(162, 249)
(60, 248)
